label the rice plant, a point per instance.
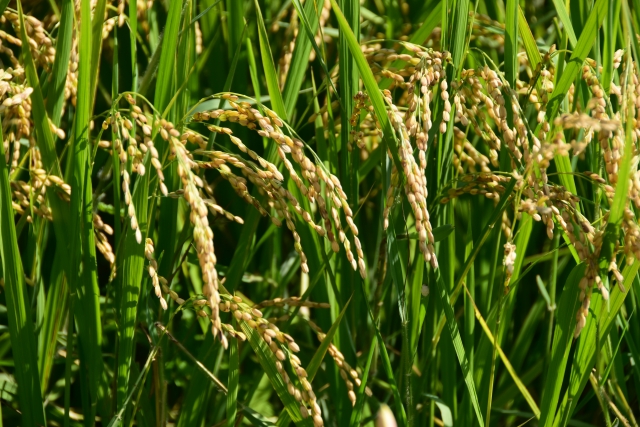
(323, 212)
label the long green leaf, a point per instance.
(563, 14)
(530, 45)
(511, 43)
(166, 68)
(234, 380)
(309, 14)
(58, 294)
(562, 338)
(83, 275)
(23, 342)
(580, 52)
(388, 135)
(55, 90)
(96, 43)
(269, 69)
(318, 356)
(454, 334)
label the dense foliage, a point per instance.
(320, 212)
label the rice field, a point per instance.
(385, 213)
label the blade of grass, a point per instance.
(610, 27)
(197, 397)
(133, 28)
(466, 414)
(269, 69)
(55, 312)
(96, 44)
(55, 89)
(233, 384)
(396, 261)
(603, 314)
(166, 67)
(563, 14)
(58, 294)
(118, 418)
(562, 339)
(309, 16)
(458, 25)
(131, 281)
(445, 411)
(309, 31)
(523, 389)
(356, 414)
(388, 135)
(529, 42)
(318, 356)
(68, 362)
(511, 64)
(235, 25)
(349, 162)
(386, 362)
(21, 329)
(574, 64)
(454, 334)
(83, 278)
(267, 361)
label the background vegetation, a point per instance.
(496, 137)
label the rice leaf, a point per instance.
(563, 14)
(300, 59)
(523, 389)
(233, 384)
(580, 52)
(318, 357)
(445, 411)
(96, 43)
(166, 67)
(562, 338)
(55, 89)
(3, 5)
(309, 17)
(21, 330)
(603, 314)
(454, 334)
(620, 198)
(269, 69)
(83, 275)
(530, 45)
(511, 43)
(267, 361)
(356, 414)
(388, 135)
(58, 294)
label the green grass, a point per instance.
(482, 340)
